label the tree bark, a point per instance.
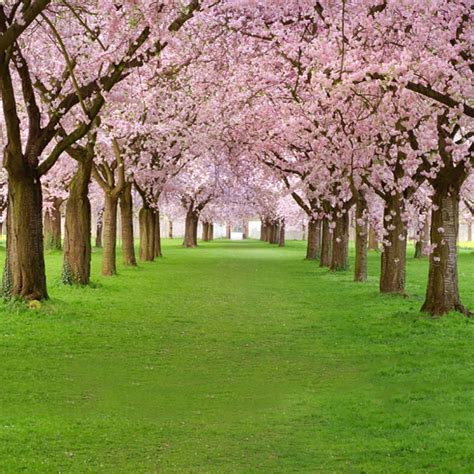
(24, 274)
(205, 231)
(77, 235)
(418, 249)
(246, 230)
(99, 228)
(422, 243)
(469, 232)
(190, 231)
(281, 237)
(326, 245)
(157, 235)
(361, 243)
(146, 219)
(340, 244)
(126, 215)
(170, 229)
(52, 226)
(393, 258)
(373, 242)
(211, 231)
(442, 295)
(228, 231)
(313, 250)
(275, 233)
(263, 231)
(109, 265)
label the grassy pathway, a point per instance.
(236, 357)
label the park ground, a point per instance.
(236, 357)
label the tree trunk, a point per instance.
(170, 229)
(146, 219)
(469, 232)
(196, 225)
(52, 226)
(281, 237)
(126, 215)
(190, 231)
(109, 266)
(373, 242)
(271, 233)
(157, 235)
(99, 228)
(275, 233)
(211, 231)
(228, 231)
(326, 245)
(361, 243)
(442, 295)
(393, 258)
(340, 244)
(423, 241)
(263, 231)
(77, 235)
(313, 250)
(24, 274)
(205, 231)
(418, 249)
(246, 230)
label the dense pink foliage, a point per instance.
(243, 103)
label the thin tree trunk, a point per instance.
(361, 243)
(190, 231)
(146, 219)
(77, 235)
(418, 249)
(442, 295)
(157, 235)
(313, 250)
(271, 233)
(109, 266)
(275, 233)
(263, 231)
(52, 226)
(196, 225)
(340, 244)
(373, 242)
(99, 228)
(423, 242)
(170, 229)
(393, 258)
(24, 274)
(246, 230)
(228, 231)
(268, 231)
(126, 215)
(469, 232)
(205, 231)
(211, 231)
(326, 245)
(281, 237)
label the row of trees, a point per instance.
(228, 109)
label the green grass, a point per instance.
(236, 357)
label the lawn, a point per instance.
(236, 357)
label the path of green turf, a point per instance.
(236, 357)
